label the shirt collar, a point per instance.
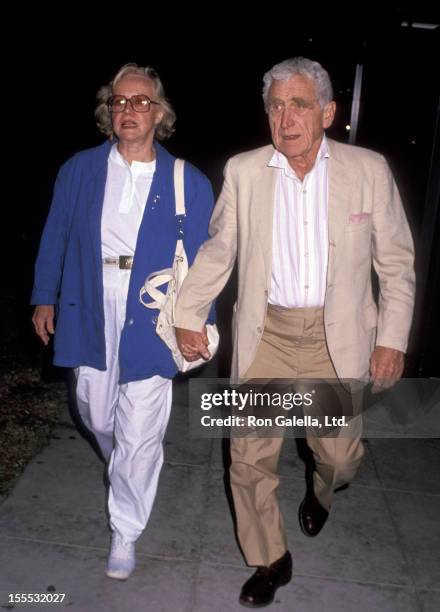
(136, 167)
(279, 160)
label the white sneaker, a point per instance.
(122, 560)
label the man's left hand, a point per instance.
(386, 367)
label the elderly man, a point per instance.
(306, 218)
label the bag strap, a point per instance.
(179, 195)
(159, 278)
(179, 189)
(152, 282)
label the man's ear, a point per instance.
(328, 114)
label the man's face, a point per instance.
(296, 120)
(131, 126)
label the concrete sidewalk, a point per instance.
(379, 551)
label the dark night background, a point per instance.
(213, 77)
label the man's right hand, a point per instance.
(43, 320)
(192, 344)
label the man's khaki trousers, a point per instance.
(293, 346)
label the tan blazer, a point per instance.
(367, 225)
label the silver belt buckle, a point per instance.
(125, 262)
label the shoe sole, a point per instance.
(120, 578)
(249, 605)
(117, 576)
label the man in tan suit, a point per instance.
(306, 218)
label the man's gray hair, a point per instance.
(300, 65)
(103, 116)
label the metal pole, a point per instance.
(427, 285)
(354, 119)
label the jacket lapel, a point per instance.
(339, 194)
(96, 189)
(263, 204)
(159, 201)
(94, 212)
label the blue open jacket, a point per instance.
(68, 270)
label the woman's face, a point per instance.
(132, 127)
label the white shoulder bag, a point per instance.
(174, 277)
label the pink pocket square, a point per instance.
(358, 218)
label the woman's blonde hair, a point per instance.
(103, 117)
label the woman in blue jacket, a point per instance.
(111, 223)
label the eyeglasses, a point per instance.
(139, 103)
(298, 105)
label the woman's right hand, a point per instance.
(192, 344)
(43, 320)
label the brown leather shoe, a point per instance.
(259, 590)
(312, 516)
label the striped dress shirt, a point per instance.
(300, 234)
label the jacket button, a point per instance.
(130, 321)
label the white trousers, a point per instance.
(129, 421)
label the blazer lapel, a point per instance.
(340, 190)
(95, 203)
(263, 203)
(159, 201)
(339, 195)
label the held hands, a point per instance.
(192, 344)
(386, 367)
(43, 320)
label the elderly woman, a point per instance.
(111, 223)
